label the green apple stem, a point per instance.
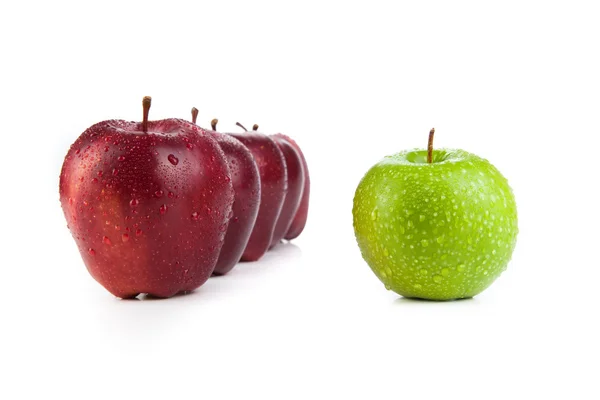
(194, 115)
(213, 124)
(430, 146)
(255, 127)
(241, 126)
(146, 102)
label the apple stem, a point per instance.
(194, 115)
(241, 126)
(430, 146)
(146, 102)
(213, 124)
(255, 127)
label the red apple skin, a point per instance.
(299, 221)
(148, 211)
(273, 183)
(295, 179)
(246, 186)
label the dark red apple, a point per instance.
(273, 184)
(148, 204)
(299, 221)
(246, 186)
(295, 178)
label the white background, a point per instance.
(516, 82)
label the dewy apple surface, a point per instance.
(273, 181)
(295, 180)
(435, 224)
(147, 203)
(246, 186)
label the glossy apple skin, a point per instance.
(148, 211)
(246, 186)
(295, 179)
(273, 183)
(299, 221)
(437, 231)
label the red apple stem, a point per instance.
(194, 115)
(146, 102)
(241, 126)
(213, 124)
(430, 146)
(255, 127)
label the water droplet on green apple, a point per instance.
(423, 271)
(374, 214)
(437, 279)
(445, 272)
(424, 243)
(417, 286)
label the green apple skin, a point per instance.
(438, 231)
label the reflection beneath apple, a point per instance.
(415, 300)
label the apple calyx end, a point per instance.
(255, 127)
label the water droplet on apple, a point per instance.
(138, 232)
(460, 268)
(437, 279)
(115, 171)
(163, 209)
(374, 214)
(445, 272)
(421, 218)
(92, 252)
(95, 180)
(125, 237)
(106, 240)
(423, 271)
(121, 158)
(171, 195)
(172, 159)
(195, 216)
(424, 243)
(158, 193)
(417, 286)
(134, 202)
(189, 146)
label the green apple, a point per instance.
(438, 230)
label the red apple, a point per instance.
(147, 203)
(273, 182)
(246, 186)
(299, 221)
(295, 178)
